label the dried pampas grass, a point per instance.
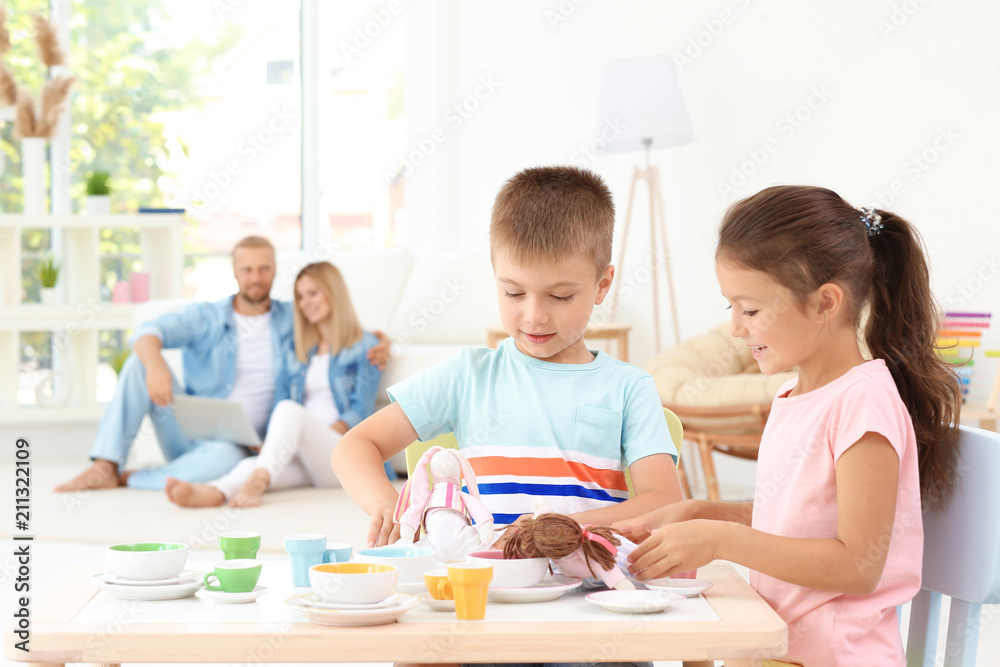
(48, 42)
(24, 125)
(54, 95)
(8, 88)
(4, 33)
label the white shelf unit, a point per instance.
(76, 323)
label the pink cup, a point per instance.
(120, 293)
(140, 286)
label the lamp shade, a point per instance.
(641, 99)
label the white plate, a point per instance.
(436, 605)
(689, 588)
(312, 601)
(411, 588)
(166, 592)
(550, 588)
(183, 577)
(236, 598)
(354, 617)
(634, 602)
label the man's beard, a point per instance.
(255, 302)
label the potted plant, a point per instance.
(117, 360)
(98, 193)
(48, 274)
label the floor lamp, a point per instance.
(641, 106)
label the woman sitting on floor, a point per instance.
(332, 385)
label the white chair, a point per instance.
(961, 557)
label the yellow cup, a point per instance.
(471, 583)
(438, 585)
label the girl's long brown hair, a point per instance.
(342, 329)
(805, 237)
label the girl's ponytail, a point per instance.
(806, 236)
(902, 329)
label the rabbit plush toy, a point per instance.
(433, 498)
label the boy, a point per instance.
(541, 415)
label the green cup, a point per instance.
(235, 576)
(239, 545)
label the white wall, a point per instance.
(888, 81)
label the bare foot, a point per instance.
(253, 489)
(101, 474)
(123, 478)
(187, 494)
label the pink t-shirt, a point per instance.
(796, 496)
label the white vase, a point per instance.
(33, 171)
(50, 296)
(98, 205)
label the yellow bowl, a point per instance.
(353, 583)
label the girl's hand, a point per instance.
(381, 529)
(676, 548)
(640, 527)
(379, 355)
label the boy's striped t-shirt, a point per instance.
(536, 429)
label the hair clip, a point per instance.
(872, 220)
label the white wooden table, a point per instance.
(76, 622)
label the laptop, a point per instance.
(214, 419)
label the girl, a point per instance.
(333, 381)
(833, 537)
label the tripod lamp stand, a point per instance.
(641, 98)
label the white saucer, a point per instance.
(354, 617)
(411, 588)
(183, 577)
(166, 592)
(689, 588)
(634, 602)
(223, 597)
(311, 600)
(550, 588)
(436, 605)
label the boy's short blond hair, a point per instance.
(546, 214)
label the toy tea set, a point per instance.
(449, 569)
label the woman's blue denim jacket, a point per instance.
(353, 381)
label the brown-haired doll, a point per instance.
(579, 551)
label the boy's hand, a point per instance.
(676, 548)
(381, 530)
(509, 530)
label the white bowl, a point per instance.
(512, 572)
(353, 583)
(411, 561)
(145, 561)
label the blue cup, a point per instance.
(308, 549)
